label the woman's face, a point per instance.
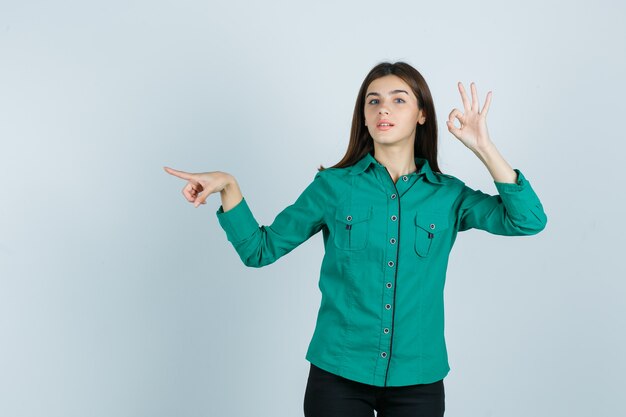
(390, 99)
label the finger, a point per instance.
(453, 129)
(189, 193)
(466, 103)
(487, 103)
(474, 97)
(192, 191)
(201, 198)
(456, 113)
(181, 174)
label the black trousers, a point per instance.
(329, 395)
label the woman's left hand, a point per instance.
(473, 131)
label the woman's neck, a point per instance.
(398, 162)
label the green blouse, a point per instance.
(381, 318)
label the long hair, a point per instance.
(361, 141)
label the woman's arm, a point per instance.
(516, 210)
(258, 245)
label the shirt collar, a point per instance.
(423, 168)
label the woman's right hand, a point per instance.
(200, 185)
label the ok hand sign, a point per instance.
(473, 131)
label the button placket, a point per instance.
(393, 226)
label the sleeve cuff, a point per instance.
(520, 185)
(238, 222)
(517, 196)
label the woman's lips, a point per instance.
(386, 124)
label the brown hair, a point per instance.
(361, 141)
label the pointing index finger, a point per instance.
(181, 174)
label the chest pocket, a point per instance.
(428, 230)
(352, 226)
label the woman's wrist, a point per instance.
(230, 193)
(497, 166)
(229, 181)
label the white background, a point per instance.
(118, 298)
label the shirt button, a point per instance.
(389, 285)
(393, 196)
(390, 263)
(392, 240)
(385, 330)
(348, 218)
(394, 218)
(405, 178)
(388, 306)
(383, 354)
(432, 225)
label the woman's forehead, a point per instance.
(389, 84)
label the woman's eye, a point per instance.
(375, 101)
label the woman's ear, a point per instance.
(421, 117)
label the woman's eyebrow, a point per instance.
(390, 93)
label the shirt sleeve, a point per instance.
(516, 211)
(260, 245)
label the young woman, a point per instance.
(389, 218)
